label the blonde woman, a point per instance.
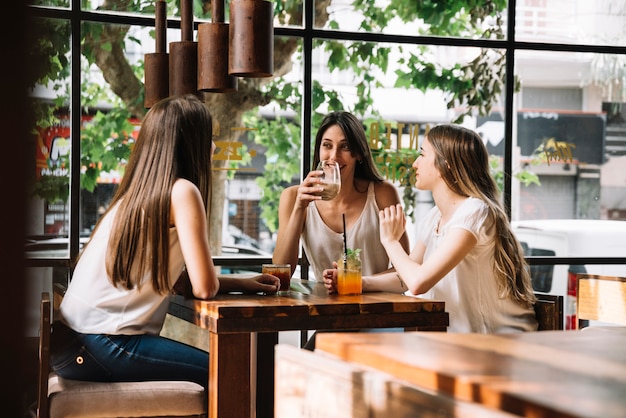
(156, 225)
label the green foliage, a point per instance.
(473, 86)
(525, 176)
(281, 138)
(105, 145)
(52, 188)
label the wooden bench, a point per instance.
(334, 388)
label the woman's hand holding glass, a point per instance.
(331, 179)
(330, 278)
(321, 184)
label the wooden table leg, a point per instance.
(229, 375)
(266, 342)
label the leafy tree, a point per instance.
(472, 87)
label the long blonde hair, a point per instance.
(174, 142)
(463, 161)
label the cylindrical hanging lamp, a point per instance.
(213, 53)
(251, 52)
(156, 65)
(184, 56)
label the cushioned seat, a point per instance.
(60, 398)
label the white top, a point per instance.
(323, 245)
(92, 305)
(470, 290)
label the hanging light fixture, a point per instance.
(184, 56)
(156, 65)
(213, 53)
(244, 47)
(251, 50)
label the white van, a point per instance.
(571, 238)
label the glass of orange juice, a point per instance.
(349, 280)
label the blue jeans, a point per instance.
(125, 358)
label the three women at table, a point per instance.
(304, 217)
(156, 226)
(466, 253)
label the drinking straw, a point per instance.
(345, 244)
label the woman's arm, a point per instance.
(262, 283)
(291, 216)
(417, 275)
(188, 215)
(387, 195)
(290, 224)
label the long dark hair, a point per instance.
(357, 142)
(174, 142)
(463, 161)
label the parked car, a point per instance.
(570, 238)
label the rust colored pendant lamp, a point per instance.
(213, 53)
(184, 56)
(156, 65)
(251, 49)
(244, 47)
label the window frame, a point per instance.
(308, 33)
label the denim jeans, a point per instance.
(125, 358)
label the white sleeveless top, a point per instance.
(323, 245)
(92, 305)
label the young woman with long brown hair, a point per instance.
(154, 228)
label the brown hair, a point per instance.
(463, 161)
(357, 142)
(174, 142)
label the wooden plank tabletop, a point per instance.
(540, 374)
(308, 306)
(243, 330)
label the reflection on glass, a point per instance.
(51, 150)
(569, 132)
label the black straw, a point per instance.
(345, 244)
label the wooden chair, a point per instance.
(600, 298)
(549, 312)
(58, 397)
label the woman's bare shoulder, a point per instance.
(290, 192)
(183, 189)
(384, 186)
(385, 191)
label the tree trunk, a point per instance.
(227, 109)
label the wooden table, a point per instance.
(535, 374)
(243, 330)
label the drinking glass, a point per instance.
(331, 179)
(349, 281)
(283, 272)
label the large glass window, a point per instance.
(548, 95)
